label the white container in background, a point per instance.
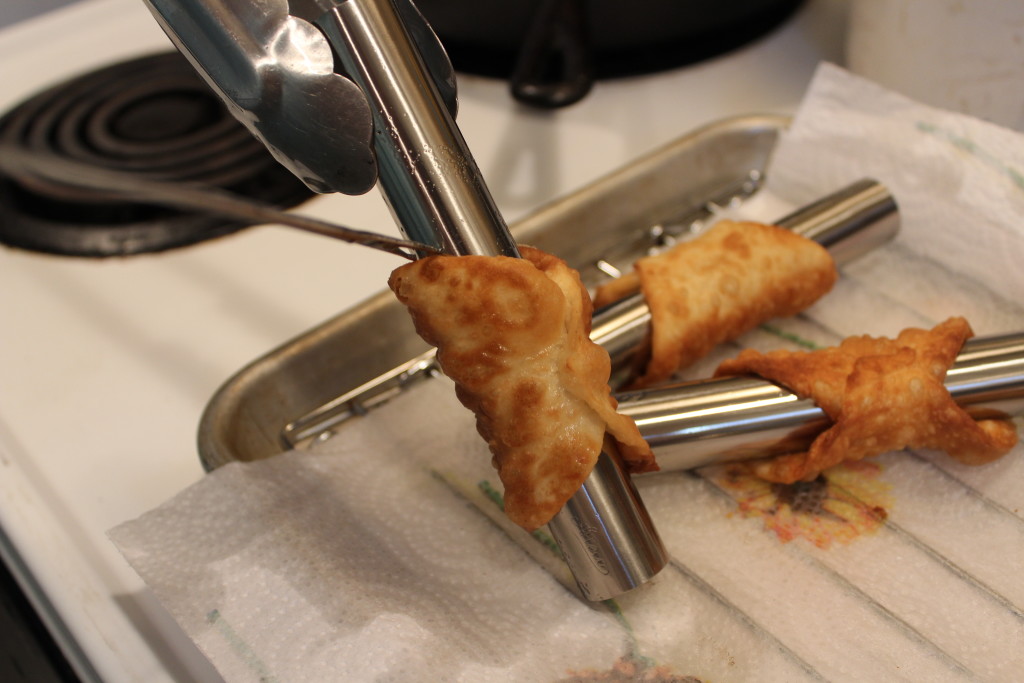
(963, 55)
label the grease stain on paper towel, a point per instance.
(843, 503)
(630, 669)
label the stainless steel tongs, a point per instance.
(274, 68)
(345, 93)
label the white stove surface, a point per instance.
(106, 366)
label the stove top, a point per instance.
(152, 117)
(108, 363)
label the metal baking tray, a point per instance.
(307, 387)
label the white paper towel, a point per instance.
(380, 555)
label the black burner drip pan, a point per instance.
(155, 118)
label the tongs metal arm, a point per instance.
(275, 72)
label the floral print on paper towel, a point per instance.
(844, 502)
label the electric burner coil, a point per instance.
(152, 117)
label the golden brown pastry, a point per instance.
(513, 336)
(719, 285)
(882, 395)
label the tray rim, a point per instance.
(227, 405)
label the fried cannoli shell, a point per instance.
(720, 285)
(617, 289)
(882, 395)
(513, 334)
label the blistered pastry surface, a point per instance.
(882, 395)
(719, 285)
(513, 334)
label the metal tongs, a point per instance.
(345, 94)
(348, 92)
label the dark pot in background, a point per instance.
(552, 51)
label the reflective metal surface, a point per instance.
(439, 197)
(849, 222)
(274, 70)
(605, 534)
(308, 387)
(275, 73)
(988, 376)
(312, 384)
(427, 173)
(738, 418)
(622, 328)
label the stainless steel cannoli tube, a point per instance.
(848, 222)
(724, 419)
(437, 193)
